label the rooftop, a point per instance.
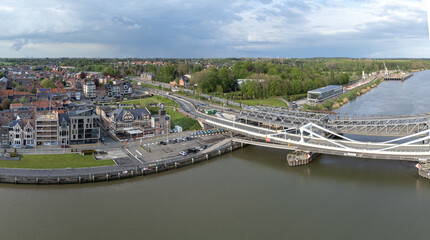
(326, 88)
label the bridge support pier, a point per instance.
(424, 169)
(297, 158)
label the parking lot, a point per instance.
(157, 151)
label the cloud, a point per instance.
(223, 28)
(134, 27)
(18, 44)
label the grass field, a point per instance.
(56, 161)
(185, 122)
(177, 118)
(154, 99)
(268, 101)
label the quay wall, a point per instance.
(143, 170)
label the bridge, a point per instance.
(311, 132)
(395, 126)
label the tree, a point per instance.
(5, 104)
(22, 99)
(182, 69)
(209, 83)
(82, 75)
(197, 68)
(97, 82)
(219, 89)
(344, 78)
(228, 83)
(47, 83)
(20, 88)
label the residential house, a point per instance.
(128, 88)
(15, 133)
(6, 94)
(63, 129)
(181, 81)
(5, 117)
(90, 91)
(3, 83)
(84, 127)
(4, 135)
(160, 122)
(101, 92)
(146, 76)
(28, 132)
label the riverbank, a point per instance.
(97, 175)
(337, 102)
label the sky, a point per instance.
(214, 28)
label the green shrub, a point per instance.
(89, 152)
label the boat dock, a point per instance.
(398, 77)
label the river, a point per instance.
(249, 194)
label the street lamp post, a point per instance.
(168, 130)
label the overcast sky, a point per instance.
(214, 28)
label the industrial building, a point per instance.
(324, 93)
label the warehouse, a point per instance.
(324, 93)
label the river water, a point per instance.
(249, 194)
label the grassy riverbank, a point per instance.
(56, 161)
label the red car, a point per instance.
(65, 146)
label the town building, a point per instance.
(4, 135)
(147, 76)
(134, 123)
(64, 129)
(47, 129)
(84, 127)
(28, 132)
(90, 91)
(15, 133)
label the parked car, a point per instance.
(163, 143)
(192, 150)
(64, 146)
(199, 148)
(5, 146)
(183, 153)
(28, 147)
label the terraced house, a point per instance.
(21, 133)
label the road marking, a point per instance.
(139, 153)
